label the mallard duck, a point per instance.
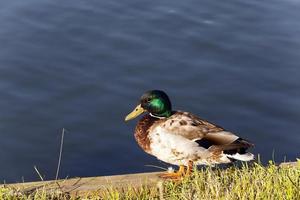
(183, 139)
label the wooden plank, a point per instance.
(288, 164)
(76, 186)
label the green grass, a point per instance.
(245, 182)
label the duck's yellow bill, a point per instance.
(136, 112)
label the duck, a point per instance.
(183, 139)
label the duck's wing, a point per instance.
(195, 128)
(201, 131)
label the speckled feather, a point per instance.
(177, 139)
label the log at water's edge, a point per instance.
(77, 186)
(288, 164)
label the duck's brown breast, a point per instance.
(142, 130)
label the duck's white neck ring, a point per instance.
(156, 116)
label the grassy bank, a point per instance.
(246, 182)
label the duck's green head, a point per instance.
(156, 102)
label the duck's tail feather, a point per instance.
(242, 157)
(236, 150)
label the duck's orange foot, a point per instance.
(174, 175)
(189, 169)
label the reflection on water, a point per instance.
(82, 65)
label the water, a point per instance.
(82, 65)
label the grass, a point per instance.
(245, 182)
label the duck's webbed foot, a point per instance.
(189, 169)
(174, 175)
(182, 172)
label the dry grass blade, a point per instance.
(39, 174)
(60, 153)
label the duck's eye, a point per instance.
(148, 100)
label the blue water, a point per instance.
(82, 66)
